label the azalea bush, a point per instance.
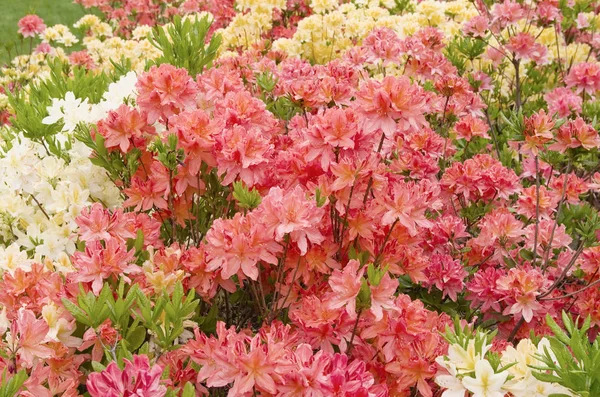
(302, 198)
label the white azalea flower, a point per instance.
(12, 258)
(486, 382)
(464, 360)
(70, 110)
(453, 385)
(119, 91)
(524, 357)
(531, 387)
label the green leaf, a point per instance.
(135, 338)
(139, 240)
(209, 323)
(188, 390)
(98, 367)
(10, 387)
(183, 44)
(248, 199)
(556, 330)
(80, 315)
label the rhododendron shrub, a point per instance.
(316, 199)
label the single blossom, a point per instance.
(486, 382)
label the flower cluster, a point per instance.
(475, 365)
(297, 198)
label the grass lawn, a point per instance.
(52, 11)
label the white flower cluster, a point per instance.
(469, 371)
(41, 197)
(71, 111)
(59, 34)
(42, 194)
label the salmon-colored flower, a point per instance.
(125, 127)
(345, 286)
(391, 103)
(99, 262)
(165, 91)
(576, 133)
(31, 334)
(237, 245)
(291, 213)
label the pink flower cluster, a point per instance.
(327, 227)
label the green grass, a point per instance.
(51, 11)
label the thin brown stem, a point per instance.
(351, 343)
(280, 271)
(370, 183)
(345, 221)
(559, 209)
(537, 209)
(40, 206)
(564, 272)
(516, 64)
(387, 237)
(516, 329)
(572, 293)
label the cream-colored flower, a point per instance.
(486, 382)
(12, 258)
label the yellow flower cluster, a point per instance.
(322, 37)
(24, 68)
(59, 34)
(104, 47)
(94, 25)
(323, 6)
(115, 48)
(245, 30)
(334, 29)
(99, 42)
(262, 6)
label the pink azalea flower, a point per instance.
(476, 26)
(256, 369)
(563, 102)
(408, 203)
(31, 25)
(98, 263)
(524, 46)
(237, 245)
(345, 286)
(382, 296)
(382, 44)
(393, 100)
(507, 13)
(291, 213)
(244, 153)
(31, 334)
(531, 203)
(82, 58)
(521, 287)
(470, 127)
(576, 133)
(125, 127)
(138, 378)
(165, 91)
(447, 275)
(195, 137)
(97, 223)
(584, 76)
